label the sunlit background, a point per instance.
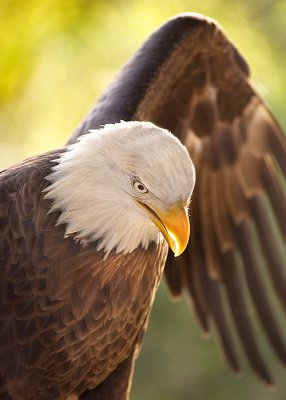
(56, 58)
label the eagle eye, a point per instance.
(140, 187)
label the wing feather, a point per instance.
(275, 191)
(189, 78)
(223, 327)
(211, 254)
(258, 293)
(208, 297)
(241, 317)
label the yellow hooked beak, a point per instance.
(173, 223)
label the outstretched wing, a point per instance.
(189, 78)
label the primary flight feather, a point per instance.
(84, 229)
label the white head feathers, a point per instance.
(93, 183)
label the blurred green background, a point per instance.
(57, 56)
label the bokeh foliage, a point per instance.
(57, 56)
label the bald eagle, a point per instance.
(85, 229)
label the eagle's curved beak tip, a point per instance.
(173, 223)
(177, 224)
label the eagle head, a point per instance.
(124, 185)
